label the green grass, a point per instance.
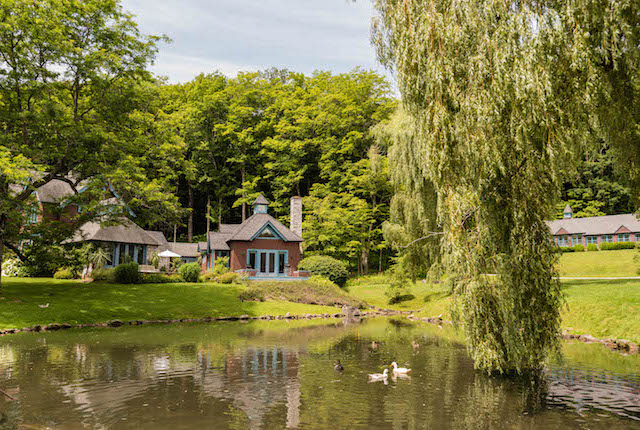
(602, 308)
(431, 299)
(74, 302)
(599, 263)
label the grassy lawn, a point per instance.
(602, 308)
(599, 263)
(77, 303)
(430, 299)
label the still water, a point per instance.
(280, 374)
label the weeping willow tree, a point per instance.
(503, 97)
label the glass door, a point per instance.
(268, 263)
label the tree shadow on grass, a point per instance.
(435, 296)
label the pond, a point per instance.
(280, 374)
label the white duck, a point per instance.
(374, 377)
(399, 370)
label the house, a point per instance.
(570, 231)
(54, 202)
(127, 240)
(261, 247)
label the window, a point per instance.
(592, 239)
(624, 237)
(576, 239)
(141, 259)
(606, 238)
(252, 260)
(282, 260)
(108, 249)
(637, 237)
(272, 262)
(122, 254)
(562, 241)
(267, 233)
(263, 262)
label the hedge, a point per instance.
(328, 267)
(608, 246)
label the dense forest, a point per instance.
(281, 134)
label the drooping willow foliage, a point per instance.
(504, 96)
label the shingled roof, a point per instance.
(261, 200)
(595, 225)
(126, 232)
(247, 231)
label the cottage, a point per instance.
(261, 246)
(571, 231)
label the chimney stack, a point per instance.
(296, 215)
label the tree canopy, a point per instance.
(504, 98)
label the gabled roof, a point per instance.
(126, 232)
(261, 200)
(595, 225)
(246, 231)
(158, 236)
(256, 222)
(218, 241)
(228, 228)
(185, 249)
(567, 210)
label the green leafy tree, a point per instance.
(71, 75)
(504, 97)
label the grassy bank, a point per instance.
(601, 308)
(599, 263)
(74, 302)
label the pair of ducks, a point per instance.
(397, 371)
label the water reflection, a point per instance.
(278, 374)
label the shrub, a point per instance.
(159, 278)
(229, 278)
(63, 273)
(578, 248)
(608, 246)
(563, 249)
(127, 273)
(252, 294)
(190, 272)
(329, 267)
(220, 266)
(12, 267)
(398, 288)
(209, 276)
(103, 275)
(592, 247)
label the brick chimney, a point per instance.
(296, 215)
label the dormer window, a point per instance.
(260, 209)
(267, 233)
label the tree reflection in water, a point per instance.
(279, 374)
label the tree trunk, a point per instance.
(190, 220)
(1, 254)
(219, 212)
(175, 232)
(364, 261)
(380, 262)
(244, 195)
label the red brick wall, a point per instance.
(239, 251)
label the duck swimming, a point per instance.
(374, 377)
(399, 370)
(338, 366)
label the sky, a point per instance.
(249, 35)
